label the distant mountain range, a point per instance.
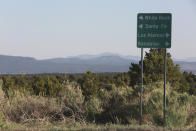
(106, 62)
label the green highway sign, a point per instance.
(154, 30)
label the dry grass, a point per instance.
(119, 105)
(23, 109)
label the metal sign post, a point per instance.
(141, 86)
(165, 82)
(154, 31)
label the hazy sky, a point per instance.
(61, 28)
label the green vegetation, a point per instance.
(99, 101)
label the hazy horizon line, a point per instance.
(90, 54)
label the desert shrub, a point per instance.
(118, 106)
(2, 101)
(108, 103)
(191, 121)
(153, 103)
(71, 101)
(2, 94)
(68, 107)
(30, 109)
(93, 109)
(89, 85)
(178, 110)
(121, 105)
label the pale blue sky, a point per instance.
(61, 28)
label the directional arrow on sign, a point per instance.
(167, 35)
(141, 26)
(141, 17)
(166, 43)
